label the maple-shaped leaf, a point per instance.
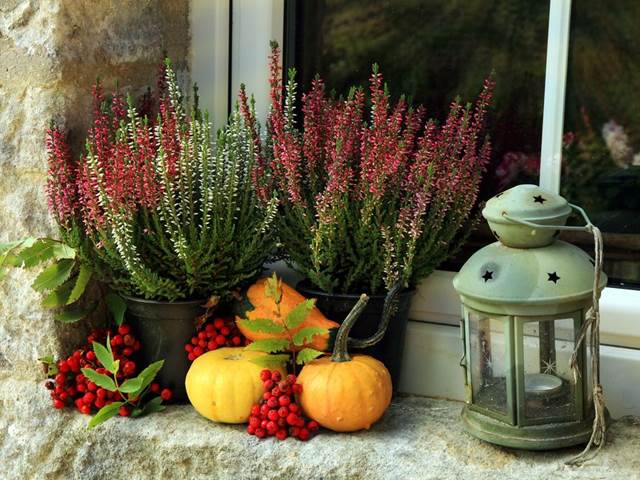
(306, 334)
(271, 361)
(273, 288)
(307, 354)
(262, 325)
(271, 345)
(299, 313)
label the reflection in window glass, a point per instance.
(432, 51)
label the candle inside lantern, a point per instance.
(541, 384)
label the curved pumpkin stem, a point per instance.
(390, 305)
(340, 352)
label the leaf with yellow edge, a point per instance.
(271, 345)
(307, 354)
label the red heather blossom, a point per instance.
(62, 194)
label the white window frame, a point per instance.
(433, 347)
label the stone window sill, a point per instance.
(418, 438)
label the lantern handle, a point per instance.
(585, 228)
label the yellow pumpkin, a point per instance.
(223, 385)
(345, 393)
(256, 304)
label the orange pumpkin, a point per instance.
(345, 393)
(258, 305)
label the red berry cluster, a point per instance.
(278, 415)
(71, 387)
(218, 333)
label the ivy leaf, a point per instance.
(152, 406)
(84, 275)
(50, 364)
(59, 297)
(105, 357)
(117, 306)
(262, 325)
(269, 346)
(273, 288)
(105, 413)
(306, 335)
(53, 276)
(299, 313)
(100, 379)
(131, 385)
(307, 354)
(271, 361)
(146, 376)
(71, 316)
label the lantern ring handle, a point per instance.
(585, 228)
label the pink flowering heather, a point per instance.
(370, 196)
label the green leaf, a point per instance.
(59, 297)
(105, 413)
(44, 249)
(299, 313)
(131, 385)
(147, 375)
(153, 405)
(105, 357)
(262, 325)
(306, 334)
(117, 307)
(84, 275)
(53, 276)
(273, 288)
(50, 363)
(271, 361)
(307, 354)
(71, 316)
(8, 257)
(100, 379)
(269, 346)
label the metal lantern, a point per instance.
(525, 300)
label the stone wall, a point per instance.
(51, 52)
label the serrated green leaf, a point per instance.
(152, 406)
(105, 357)
(299, 313)
(59, 297)
(53, 276)
(100, 379)
(271, 361)
(105, 413)
(84, 275)
(273, 288)
(307, 354)
(71, 316)
(306, 334)
(147, 375)
(117, 307)
(271, 345)
(131, 385)
(262, 325)
(44, 249)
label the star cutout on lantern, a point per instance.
(539, 199)
(488, 275)
(553, 277)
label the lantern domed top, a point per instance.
(528, 203)
(535, 281)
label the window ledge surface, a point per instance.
(418, 438)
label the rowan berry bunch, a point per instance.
(278, 415)
(217, 333)
(69, 386)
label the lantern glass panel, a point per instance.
(489, 364)
(549, 385)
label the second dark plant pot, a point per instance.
(163, 329)
(390, 349)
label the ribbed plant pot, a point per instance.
(390, 349)
(163, 329)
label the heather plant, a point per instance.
(370, 194)
(152, 208)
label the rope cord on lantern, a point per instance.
(591, 326)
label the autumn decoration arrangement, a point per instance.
(164, 231)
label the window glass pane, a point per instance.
(601, 159)
(433, 50)
(488, 363)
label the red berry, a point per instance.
(297, 388)
(188, 347)
(291, 378)
(272, 415)
(191, 357)
(236, 340)
(263, 423)
(127, 352)
(304, 434)
(276, 376)
(225, 331)
(101, 370)
(63, 366)
(292, 419)
(116, 341)
(198, 351)
(283, 412)
(92, 387)
(265, 375)
(284, 401)
(275, 391)
(129, 368)
(268, 385)
(78, 403)
(91, 356)
(202, 343)
(282, 422)
(272, 402)
(218, 323)
(202, 335)
(74, 365)
(281, 434)
(124, 411)
(272, 427)
(60, 378)
(260, 432)
(71, 391)
(212, 345)
(99, 403)
(81, 387)
(255, 410)
(166, 394)
(63, 396)
(124, 329)
(293, 407)
(88, 398)
(254, 422)
(58, 404)
(266, 395)
(58, 390)
(210, 328)
(101, 393)
(313, 425)
(251, 430)
(137, 345)
(85, 409)
(77, 354)
(264, 410)
(220, 340)
(194, 340)
(155, 387)
(294, 431)
(300, 422)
